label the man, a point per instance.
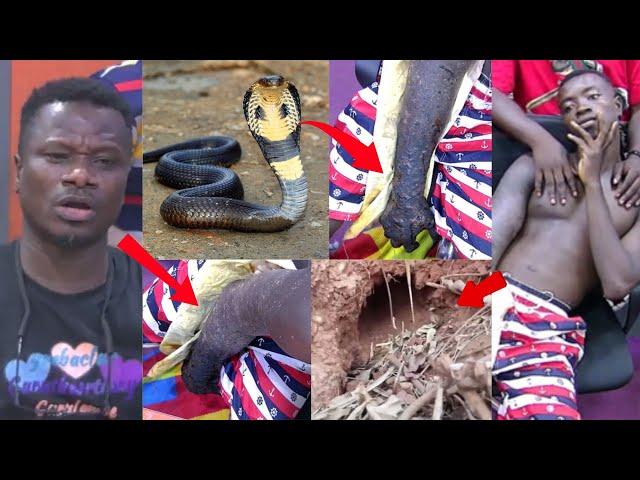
(553, 257)
(531, 87)
(70, 341)
(444, 127)
(255, 348)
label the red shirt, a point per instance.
(534, 83)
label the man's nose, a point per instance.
(583, 108)
(79, 176)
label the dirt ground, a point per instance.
(188, 99)
(376, 358)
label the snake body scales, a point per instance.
(211, 196)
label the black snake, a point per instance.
(212, 196)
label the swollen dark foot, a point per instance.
(199, 378)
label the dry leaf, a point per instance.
(389, 410)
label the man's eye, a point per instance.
(594, 96)
(567, 108)
(57, 156)
(105, 161)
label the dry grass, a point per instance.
(428, 373)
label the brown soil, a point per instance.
(188, 99)
(351, 317)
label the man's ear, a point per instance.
(18, 161)
(619, 105)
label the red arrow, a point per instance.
(473, 295)
(366, 158)
(183, 292)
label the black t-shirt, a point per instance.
(63, 366)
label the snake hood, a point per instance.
(272, 110)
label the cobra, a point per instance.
(211, 196)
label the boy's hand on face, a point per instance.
(591, 150)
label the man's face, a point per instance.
(72, 172)
(586, 97)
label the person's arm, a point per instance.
(626, 175)
(226, 332)
(553, 171)
(510, 205)
(274, 303)
(431, 90)
(617, 260)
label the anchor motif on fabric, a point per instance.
(484, 145)
(260, 341)
(459, 155)
(287, 379)
(352, 112)
(271, 391)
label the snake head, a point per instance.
(272, 109)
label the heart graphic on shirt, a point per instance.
(123, 372)
(75, 362)
(35, 369)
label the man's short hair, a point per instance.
(579, 73)
(74, 89)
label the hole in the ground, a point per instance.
(374, 323)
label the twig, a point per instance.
(401, 361)
(435, 285)
(464, 405)
(393, 319)
(476, 404)
(380, 380)
(464, 275)
(406, 263)
(418, 403)
(437, 405)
